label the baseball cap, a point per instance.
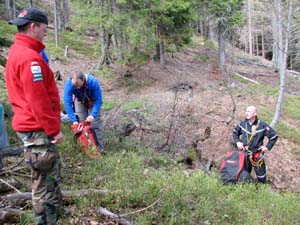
(30, 14)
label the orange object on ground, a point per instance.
(84, 135)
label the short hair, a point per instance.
(78, 75)
(23, 28)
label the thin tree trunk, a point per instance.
(66, 14)
(283, 58)
(8, 9)
(249, 26)
(263, 44)
(211, 34)
(14, 9)
(275, 21)
(221, 43)
(162, 52)
(56, 24)
(257, 46)
(30, 4)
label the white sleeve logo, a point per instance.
(36, 69)
(37, 73)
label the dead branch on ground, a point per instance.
(9, 185)
(143, 209)
(22, 198)
(118, 219)
(246, 78)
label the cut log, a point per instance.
(21, 199)
(114, 217)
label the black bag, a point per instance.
(233, 168)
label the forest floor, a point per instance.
(175, 105)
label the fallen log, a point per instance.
(10, 215)
(11, 151)
(113, 216)
(22, 198)
(246, 78)
(293, 72)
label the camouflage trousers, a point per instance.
(44, 161)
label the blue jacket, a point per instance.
(44, 55)
(90, 92)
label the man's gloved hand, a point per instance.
(240, 145)
(263, 148)
(90, 119)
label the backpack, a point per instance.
(233, 168)
(85, 137)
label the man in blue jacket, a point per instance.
(83, 97)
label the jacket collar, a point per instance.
(29, 42)
(254, 123)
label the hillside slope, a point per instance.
(171, 106)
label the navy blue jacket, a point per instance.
(243, 131)
(91, 91)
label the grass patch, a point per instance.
(288, 132)
(239, 79)
(291, 107)
(135, 104)
(74, 41)
(108, 105)
(266, 115)
(79, 43)
(203, 58)
(106, 73)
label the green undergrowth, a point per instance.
(150, 188)
(137, 178)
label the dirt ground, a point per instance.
(188, 96)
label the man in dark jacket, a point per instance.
(83, 97)
(249, 136)
(35, 101)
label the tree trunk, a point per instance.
(283, 52)
(221, 43)
(66, 14)
(263, 44)
(249, 26)
(30, 4)
(14, 9)
(275, 35)
(56, 24)
(257, 46)
(8, 9)
(162, 52)
(211, 35)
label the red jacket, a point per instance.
(31, 88)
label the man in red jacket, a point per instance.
(34, 97)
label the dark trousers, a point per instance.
(260, 171)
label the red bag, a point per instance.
(84, 135)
